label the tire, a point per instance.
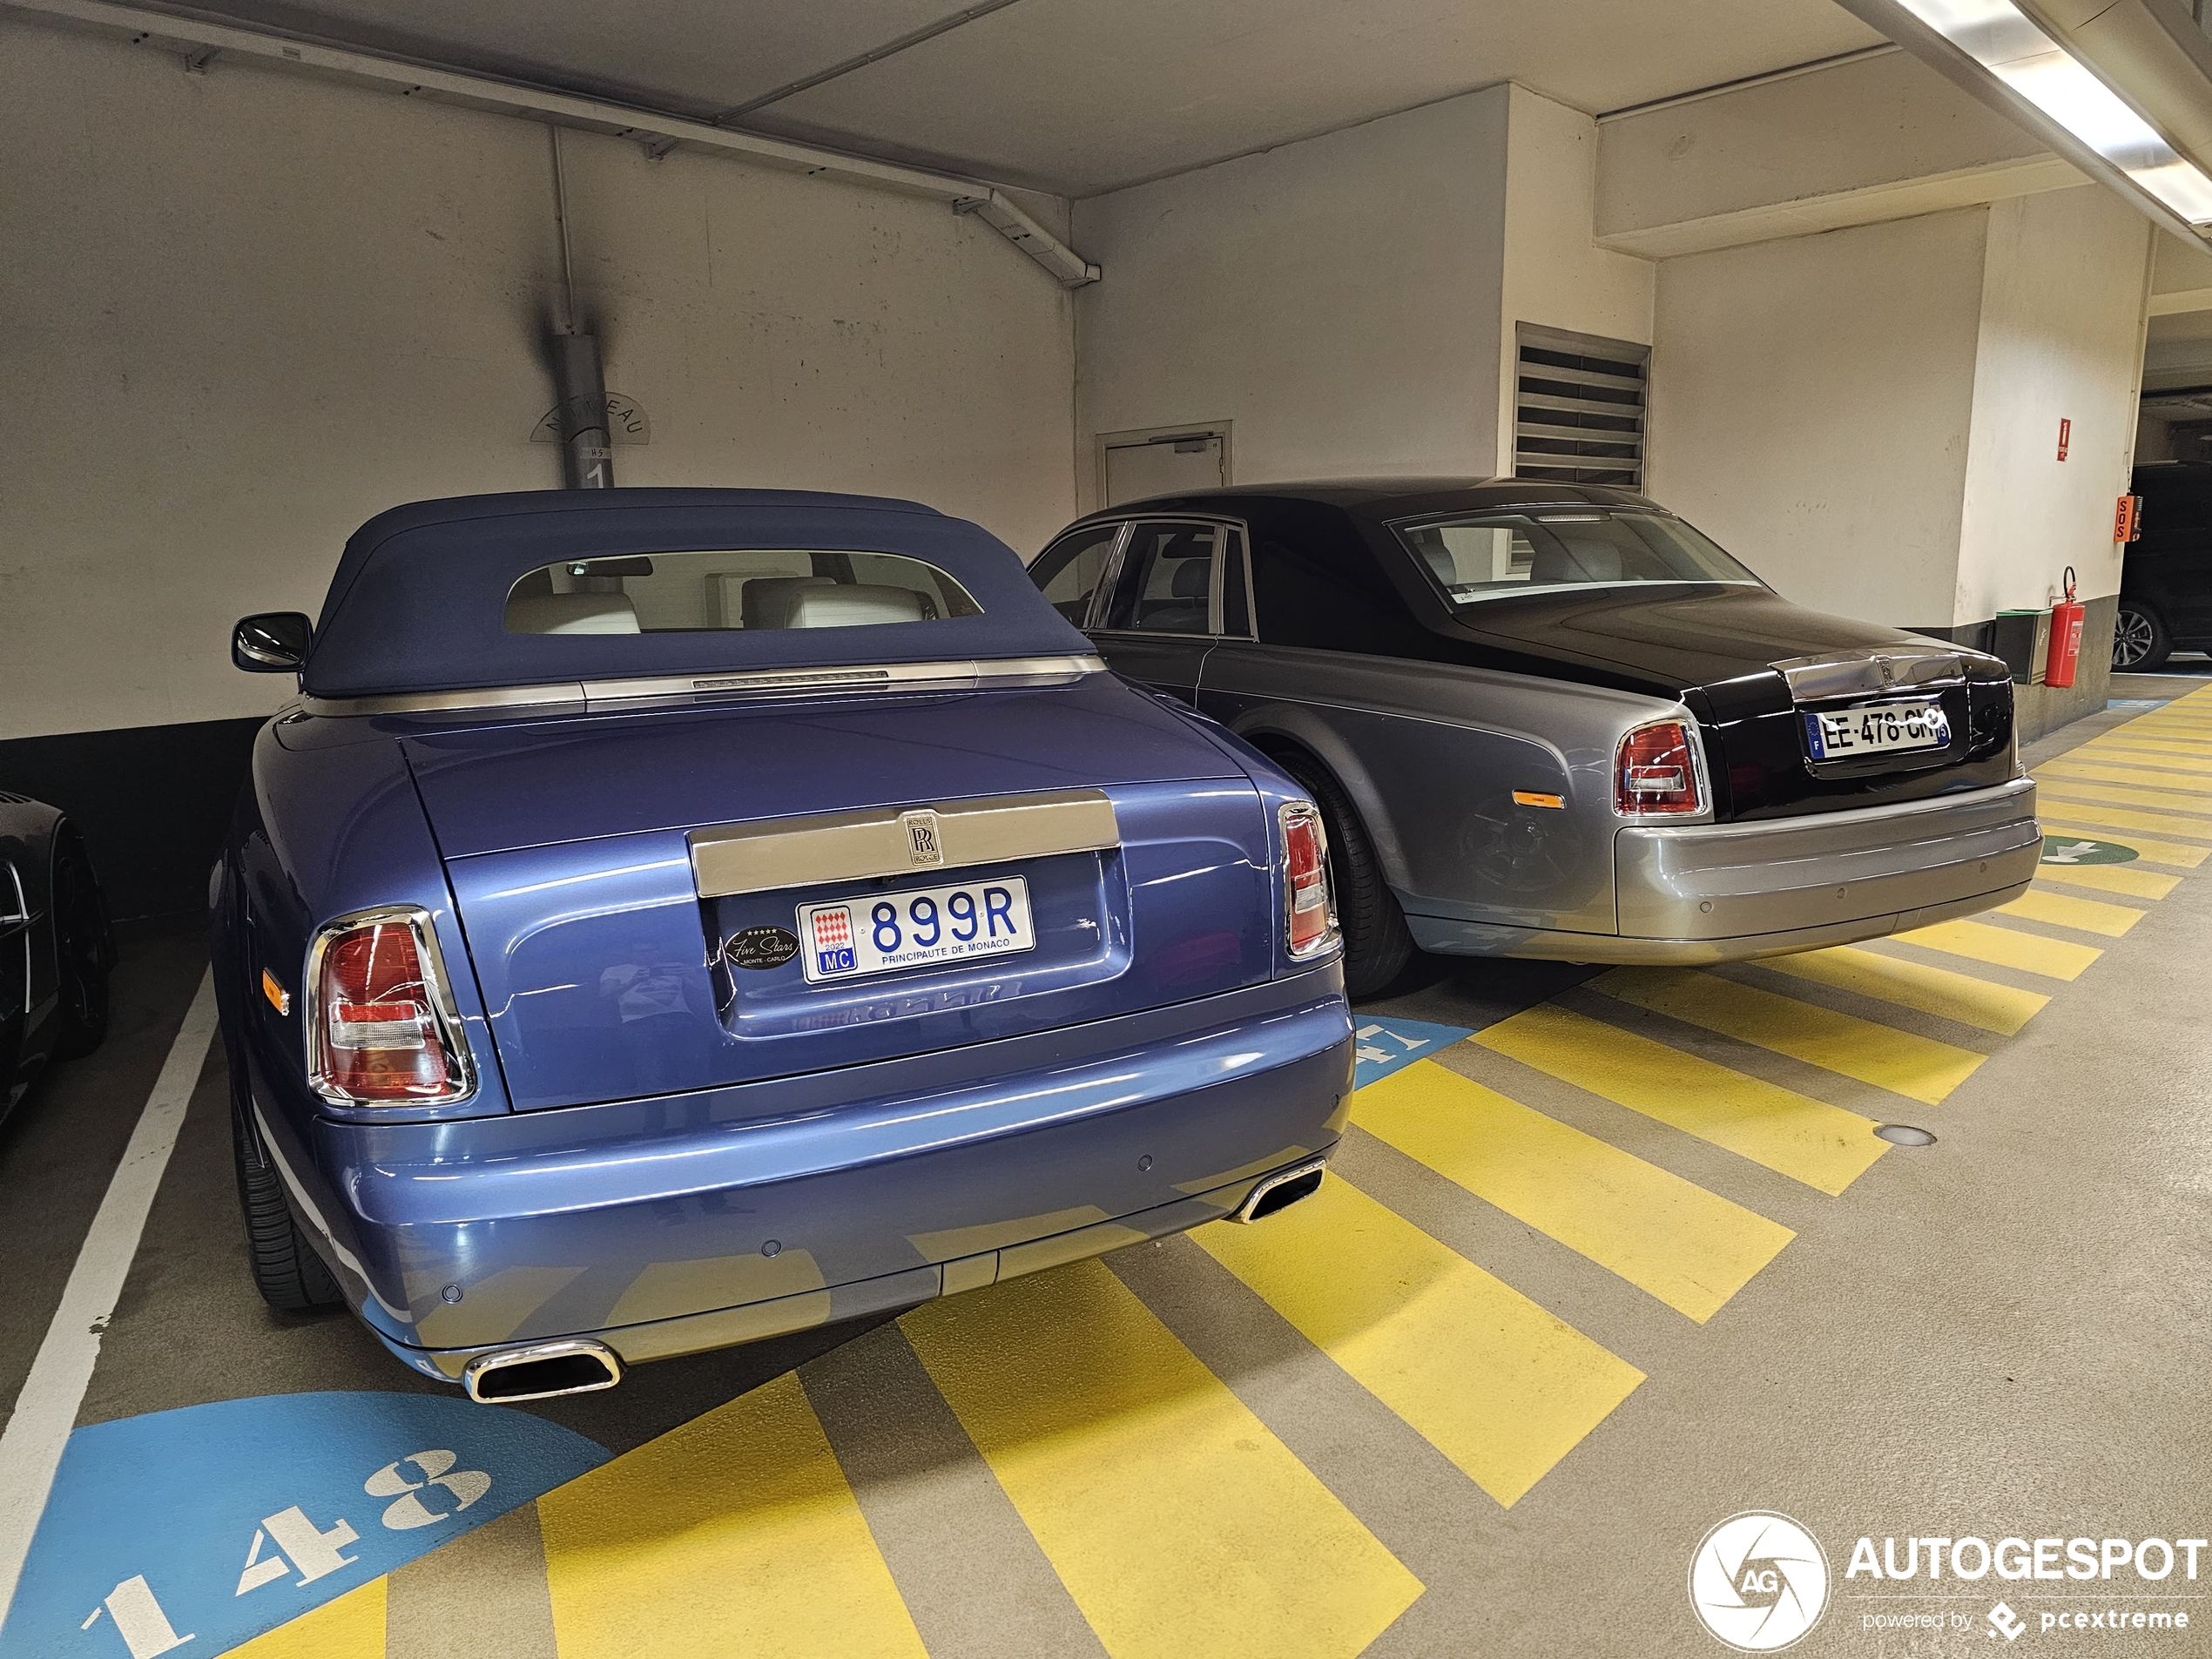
(81, 953)
(1376, 946)
(290, 1276)
(2140, 642)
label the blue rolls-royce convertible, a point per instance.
(671, 918)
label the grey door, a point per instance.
(1165, 466)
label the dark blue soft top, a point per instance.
(419, 600)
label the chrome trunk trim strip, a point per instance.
(775, 682)
(803, 852)
(1870, 673)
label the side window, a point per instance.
(1166, 584)
(1323, 596)
(1069, 570)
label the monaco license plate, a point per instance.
(881, 933)
(1878, 728)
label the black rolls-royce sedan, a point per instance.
(1554, 720)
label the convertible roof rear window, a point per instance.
(748, 589)
(1492, 555)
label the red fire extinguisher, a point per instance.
(2066, 636)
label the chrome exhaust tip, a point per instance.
(1281, 1190)
(574, 1365)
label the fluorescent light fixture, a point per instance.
(1996, 35)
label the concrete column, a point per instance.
(1870, 417)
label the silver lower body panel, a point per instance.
(1713, 893)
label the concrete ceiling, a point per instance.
(1073, 96)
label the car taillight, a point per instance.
(1656, 771)
(1309, 907)
(381, 1026)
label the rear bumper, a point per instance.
(666, 1226)
(1709, 893)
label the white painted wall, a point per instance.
(1338, 298)
(1810, 401)
(2061, 337)
(1554, 274)
(245, 311)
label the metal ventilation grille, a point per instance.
(1578, 408)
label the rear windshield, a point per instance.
(749, 588)
(1487, 555)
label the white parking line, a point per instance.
(30, 1449)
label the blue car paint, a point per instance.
(902, 1130)
(416, 600)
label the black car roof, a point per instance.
(1389, 498)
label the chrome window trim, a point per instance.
(19, 915)
(774, 853)
(1214, 610)
(791, 681)
(445, 1012)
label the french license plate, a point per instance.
(1876, 729)
(917, 928)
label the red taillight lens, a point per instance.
(1310, 910)
(1656, 772)
(379, 1034)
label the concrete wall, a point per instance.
(244, 310)
(1338, 298)
(2061, 338)
(1554, 274)
(1810, 401)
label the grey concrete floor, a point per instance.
(2002, 1335)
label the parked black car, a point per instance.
(1554, 720)
(2165, 583)
(55, 947)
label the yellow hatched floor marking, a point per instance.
(1978, 1002)
(2111, 878)
(1824, 1146)
(2119, 795)
(2173, 783)
(2179, 749)
(2124, 817)
(1690, 1248)
(1179, 1522)
(2030, 953)
(2163, 765)
(735, 1534)
(1486, 1376)
(1919, 1068)
(350, 1627)
(2157, 852)
(2064, 910)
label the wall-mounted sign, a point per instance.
(2127, 520)
(2066, 437)
(620, 417)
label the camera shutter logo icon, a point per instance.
(1758, 1582)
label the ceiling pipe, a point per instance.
(579, 382)
(657, 131)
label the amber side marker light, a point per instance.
(1537, 797)
(280, 999)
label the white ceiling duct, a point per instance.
(2122, 88)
